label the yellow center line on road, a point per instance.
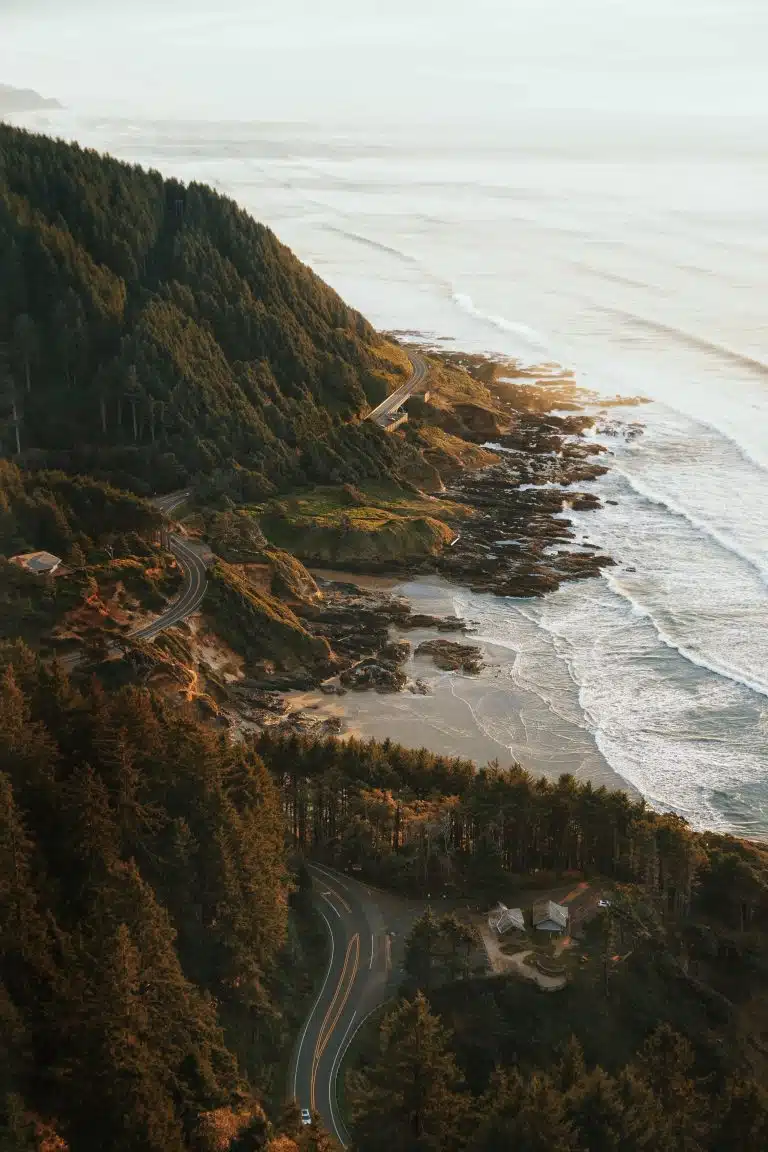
(356, 942)
(324, 1034)
(321, 1031)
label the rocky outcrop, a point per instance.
(290, 579)
(379, 674)
(273, 641)
(396, 651)
(257, 696)
(442, 623)
(452, 657)
(381, 543)
(354, 620)
(520, 542)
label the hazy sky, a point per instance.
(389, 59)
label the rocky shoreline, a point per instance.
(519, 542)
(536, 457)
(364, 627)
(513, 538)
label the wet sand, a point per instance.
(483, 718)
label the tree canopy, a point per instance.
(143, 902)
(152, 332)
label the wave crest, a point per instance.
(721, 538)
(513, 327)
(716, 667)
(743, 359)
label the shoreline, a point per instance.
(535, 422)
(455, 717)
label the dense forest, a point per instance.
(143, 918)
(152, 333)
(426, 822)
(145, 951)
(59, 513)
(414, 1097)
(679, 958)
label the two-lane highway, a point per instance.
(193, 570)
(384, 413)
(191, 596)
(355, 984)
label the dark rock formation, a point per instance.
(377, 674)
(517, 543)
(443, 624)
(452, 657)
(419, 688)
(396, 651)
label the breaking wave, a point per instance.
(719, 669)
(515, 328)
(721, 538)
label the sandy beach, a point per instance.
(485, 717)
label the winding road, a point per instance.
(191, 564)
(385, 412)
(357, 981)
(193, 570)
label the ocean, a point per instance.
(633, 252)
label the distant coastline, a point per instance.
(25, 100)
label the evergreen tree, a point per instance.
(527, 1115)
(17, 1129)
(571, 1069)
(596, 1111)
(411, 1097)
(120, 809)
(666, 1063)
(421, 950)
(157, 332)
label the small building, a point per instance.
(38, 563)
(550, 917)
(503, 919)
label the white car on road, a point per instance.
(306, 1116)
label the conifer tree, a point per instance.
(421, 950)
(411, 1097)
(528, 1115)
(596, 1112)
(571, 1069)
(666, 1063)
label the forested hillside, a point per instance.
(143, 907)
(151, 332)
(57, 512)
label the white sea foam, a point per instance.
(719, 668)
(723, 539)
(514, 327)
